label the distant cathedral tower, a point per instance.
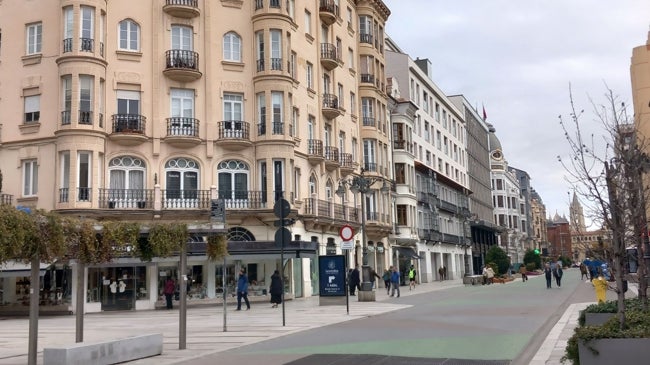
(576, 215)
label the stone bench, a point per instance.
(106, 352)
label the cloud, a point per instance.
(518, 58)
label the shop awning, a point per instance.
(14, 269)
(406, 252)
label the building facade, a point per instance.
(148, 111)
(436, 169)
(483, 230)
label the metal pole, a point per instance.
(34, 292)
(223, 286)
(79, 315)
(282, 269)
(182, 278)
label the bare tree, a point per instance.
(605, 172)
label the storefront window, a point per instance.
(231, 280)
(117, 288)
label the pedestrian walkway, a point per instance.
(208, 334)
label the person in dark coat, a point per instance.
(276, 289)
(548, 273)
(168, 290)
(355, 280)
(242, 289)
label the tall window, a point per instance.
(232, 47)
(83, 175)
(233, 180)
(369, 154)
(34, 38)
(310, 76)
(401, 215)
(30, 178)
(259, 36)
(86, 89)
(182, 113)
(400, 173)
(129, 35)
(87, 31)
(68, 27)
(126, 178)
(32, 108)
(233, 115)
(182, 37)
(276, 49)
(128, 111)
(353, 103)
(261, 114)
(307, 22)
(277, 99)
(182, 178)
(65, 177)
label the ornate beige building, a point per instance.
(148, 110)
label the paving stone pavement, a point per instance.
(205, 327)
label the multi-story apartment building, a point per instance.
(438, 171)
(525, 218)
(146, 111)
(559, 237)
(484, 231)
(509, 206)
(538, 222)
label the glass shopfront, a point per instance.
(117, 288)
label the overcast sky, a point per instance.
(517, 58)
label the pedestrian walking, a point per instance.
(276, 289)
(490, 274)
(557, 274)
(355, 280)
(386, 277)
(444, 272)
(373, 276)
(168, 290)
(412, 278)
(242, 289)
(523, 272)
(548, 273)
(394, 282)
(584, 273)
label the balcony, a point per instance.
(365, 38)
(331, 106)
(182, 65)
(331, 157)
(182, 132)
(186, 199)
(244, 199)
(318, 208)
(329, 56)
(399, 144)
(86, 45)
(85, 117)
(6, 199)
(128, 129)
(447, 206)
(367, 78)
(370, 166)
(369, 122)
(347, 166)
(234, 134)
(182, 8)
(328, 11)
(126, 198)
(315, 151)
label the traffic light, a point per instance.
(537, 251)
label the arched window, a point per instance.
(231, 47)
(126, 181)
(328, 189)
(312, 185)
(129, 35)
(240, 234)
(182, 180)
(233, 182)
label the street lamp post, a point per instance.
(363, 184)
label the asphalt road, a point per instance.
(491, 324)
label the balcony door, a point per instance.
(233, 177)
(128, 111)
(233, 115)
(126, 179)
(182, 176)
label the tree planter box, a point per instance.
(614, 351)
(596, 319)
